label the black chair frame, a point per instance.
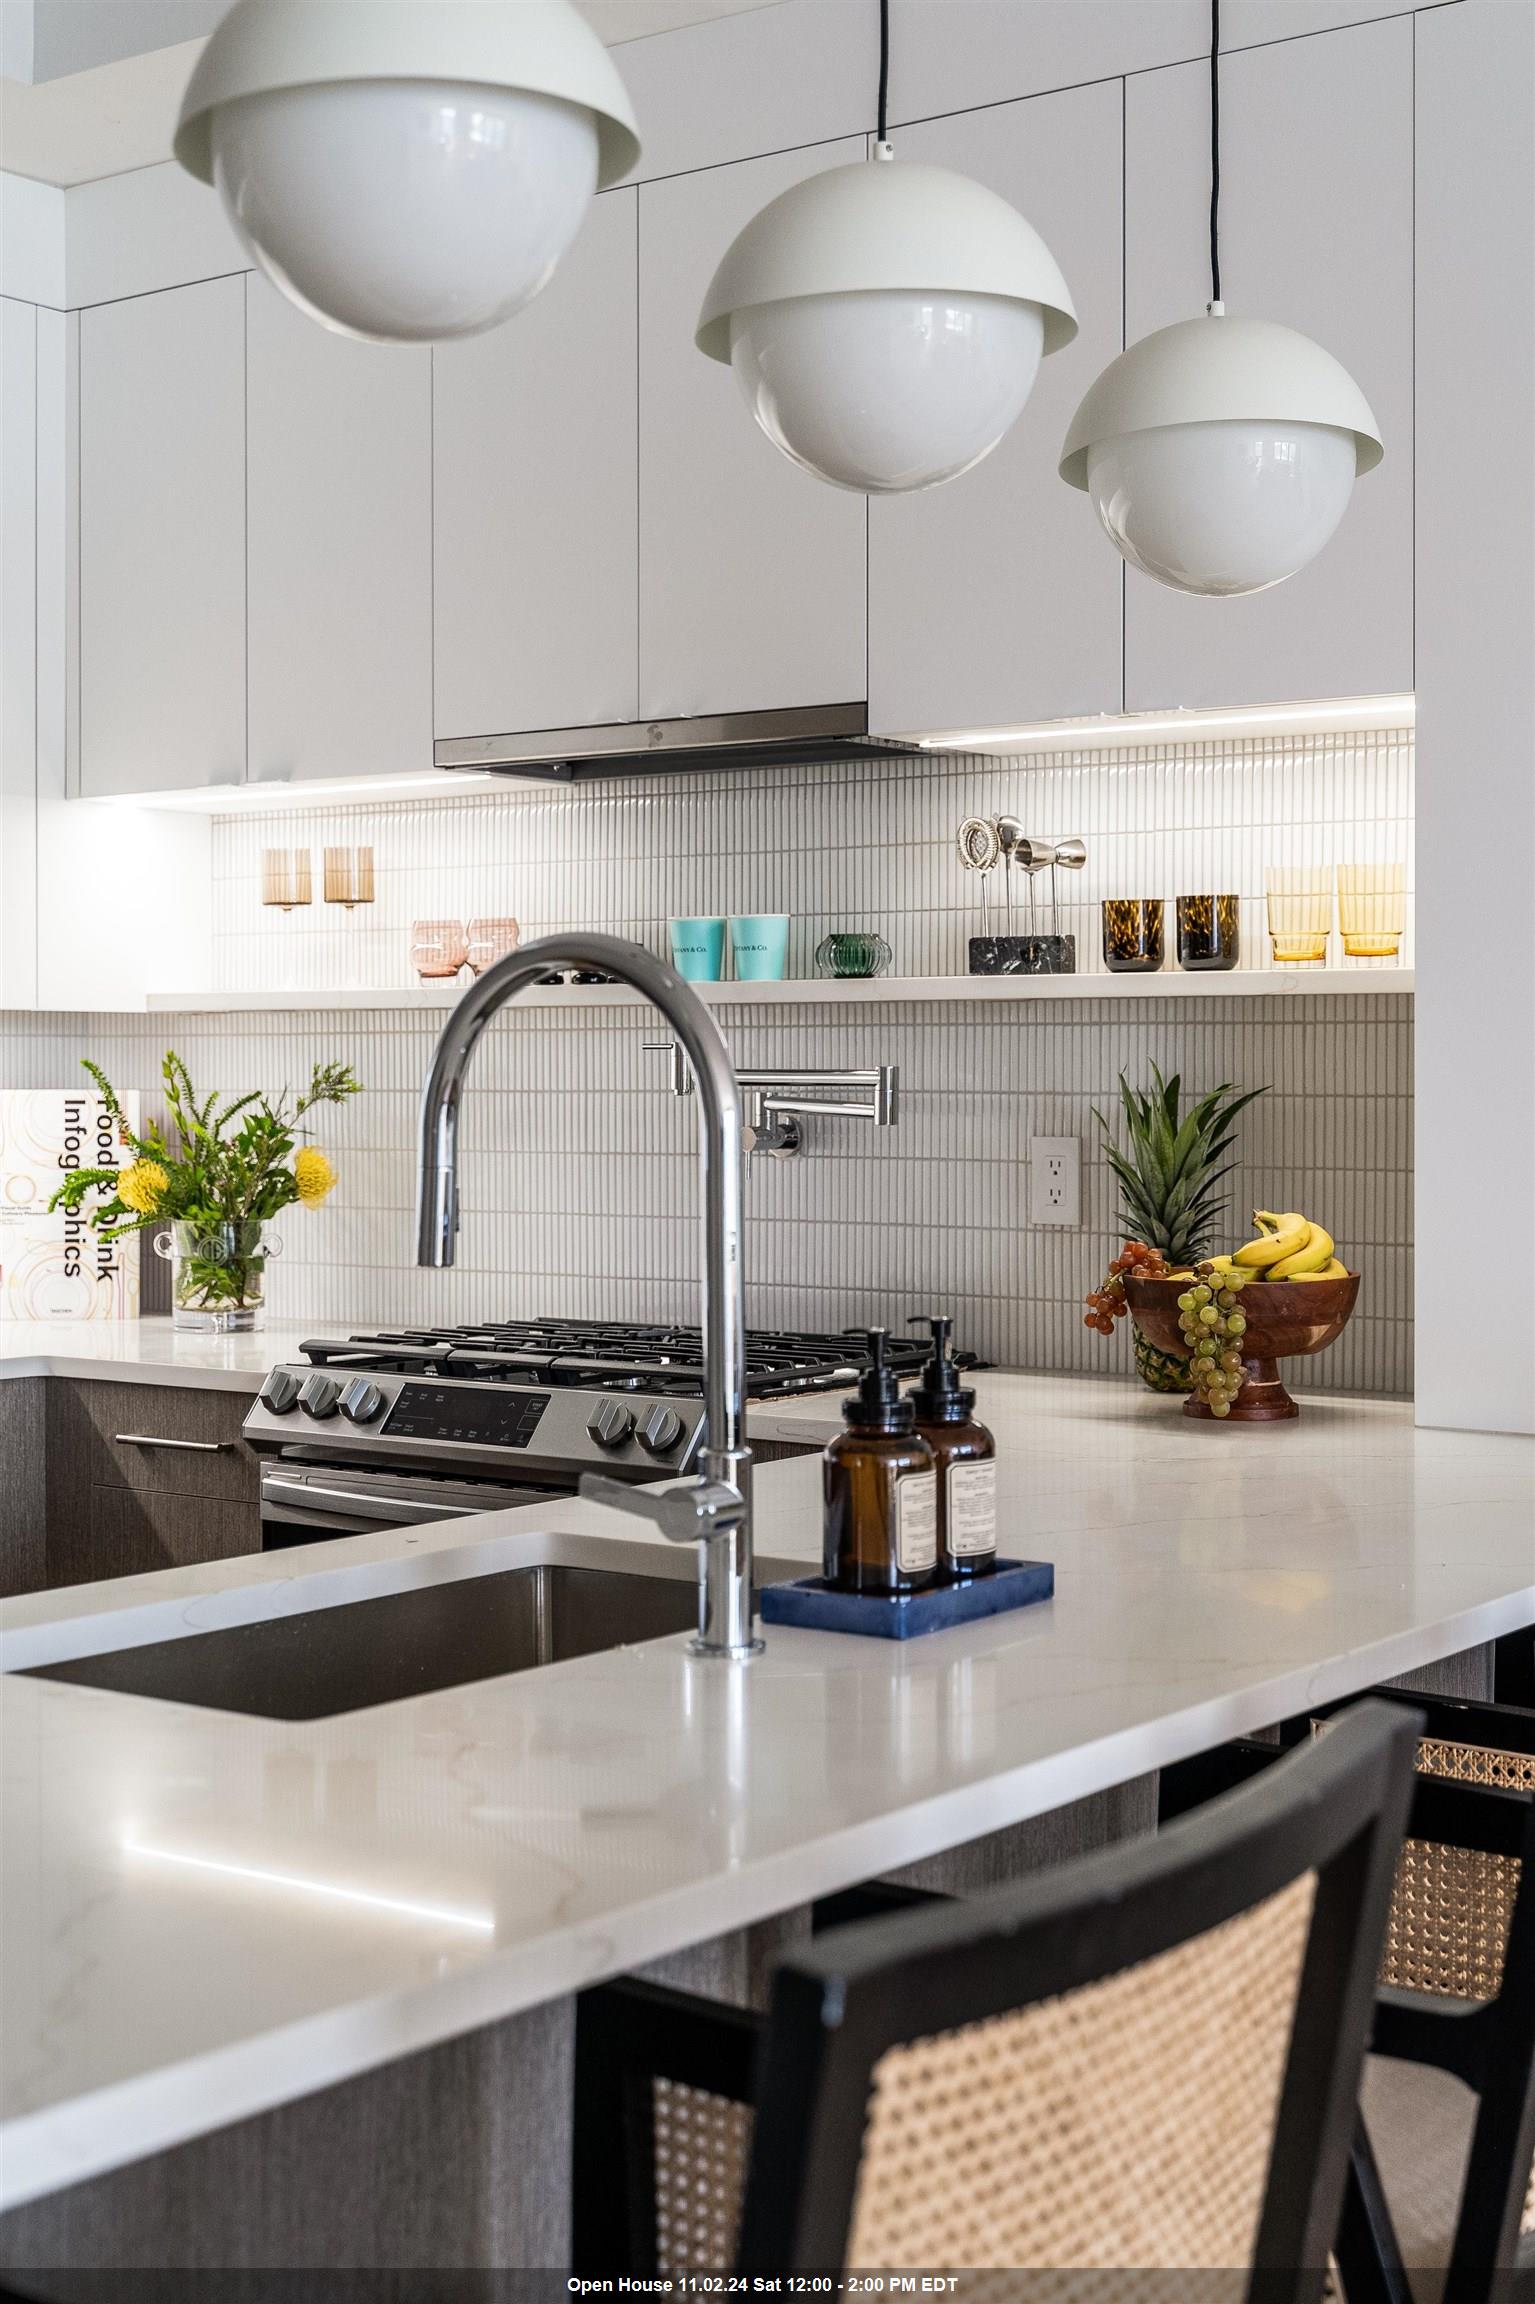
(1488, 2045)
(836, 2008)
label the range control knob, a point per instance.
(362, 1401)
(318, 1395)
(280, 1392)
(661, 1431)
(610, 1423)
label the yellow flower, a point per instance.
(142, 1186)
(313, 1174)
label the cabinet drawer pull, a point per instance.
(151, 1440)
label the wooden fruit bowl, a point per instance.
(1285, 1318)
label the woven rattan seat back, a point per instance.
(1128, 2122)
(1147, 2059)
(1451, 1906)
(700, 2141)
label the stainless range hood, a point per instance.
(808, 734)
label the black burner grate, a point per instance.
(610, 1356)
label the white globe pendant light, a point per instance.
(885, 321)
(1220, 454)
(406, 170)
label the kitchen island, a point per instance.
(209, 1915)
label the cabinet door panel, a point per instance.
(24, 1486)
(340, 512)
(752, 574)
(991, 599)
(158, 1436)
(130, 1532)
(1316, 232)
(162, 540)
(536, 520)
(18, 655)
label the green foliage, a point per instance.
(1170, 1169)
(226, 1163)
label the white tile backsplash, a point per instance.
(579, 1177)
(868, 843)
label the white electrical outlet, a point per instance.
(1055, 1180)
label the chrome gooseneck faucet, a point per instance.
(715, 1509)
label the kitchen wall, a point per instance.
(579, 1188)
(866, 844)
(579, 1185)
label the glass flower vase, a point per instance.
(218, 1276)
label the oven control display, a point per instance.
(465, 1412)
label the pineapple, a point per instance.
(1170, 1171)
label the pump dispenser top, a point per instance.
(877, 1405)
(940, 1398)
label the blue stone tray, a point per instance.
(815, 1604)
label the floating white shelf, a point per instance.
(898, 991)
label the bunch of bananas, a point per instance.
(1286, 1247)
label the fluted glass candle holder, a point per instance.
(1300, 915)
(1209, 932)
(349, 876)
(1372, 910)
(286, 879)
(1132, 934)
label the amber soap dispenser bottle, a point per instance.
(965, 1455)
(881, 1491)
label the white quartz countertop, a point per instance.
(147, 1352)
(206, 1914)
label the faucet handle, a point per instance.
(686, 1512)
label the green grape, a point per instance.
(1236, 1324)
(1185, 1302)
(1208, 1315)
(1220, 1408)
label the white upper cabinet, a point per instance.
(1316, 232)
(751, 572)
(995, 598)
(162, 540)
(18, 654)
(536, 523)
(340, 526)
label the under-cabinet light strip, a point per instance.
(1131, 728)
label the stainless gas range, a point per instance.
(431, 1424)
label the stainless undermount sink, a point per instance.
(340, 1659)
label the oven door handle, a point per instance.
(406, 1510)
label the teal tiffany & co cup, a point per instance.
(698, 950)
(759, 942)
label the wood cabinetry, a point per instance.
(339, 513)
(162, 540)
(536, 514)
(997, 598)
(1316, 232)
(107, 1480)
(23, 1484)
(751, 572)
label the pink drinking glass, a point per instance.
(437, 947)
(490, 940)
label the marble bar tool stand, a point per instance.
(1023, 956)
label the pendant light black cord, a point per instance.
(1215, 151)
(884, 68)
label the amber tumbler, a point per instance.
(1209, 932)
(1132, 934)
